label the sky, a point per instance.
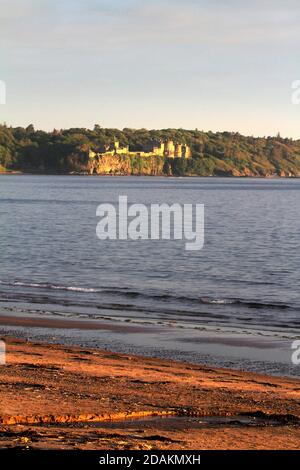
(208, 64)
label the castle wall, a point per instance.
(168, 149)
(159, 150)
(122, 151)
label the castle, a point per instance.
(155, 148)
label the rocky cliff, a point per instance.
(125, 165)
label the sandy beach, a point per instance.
(61, 397)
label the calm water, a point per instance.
(247, 277)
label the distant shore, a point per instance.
(75, 398)
(14, 173)
(175, 152)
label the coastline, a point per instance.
(79, 398)
(103, 175)
(255, 351)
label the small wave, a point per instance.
(51, 286)
(245, 303)
(163, 297)
(199, 300)
(217, 301)
(76, 289)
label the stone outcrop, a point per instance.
(110, 165)
(125, 165)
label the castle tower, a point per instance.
(186, 152)
(170, 149)
(178, 150)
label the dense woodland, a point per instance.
(214, 154)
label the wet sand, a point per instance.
(61, 397)
(36, 322)
(258, 352)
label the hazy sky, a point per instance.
(219, 65)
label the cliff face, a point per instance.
(156, 166)
(109, 165)
(266, 174)
(125, 165)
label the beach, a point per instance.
(60, 397)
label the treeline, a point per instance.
(213, 154)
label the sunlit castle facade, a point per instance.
(156, 148)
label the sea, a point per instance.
(234, 303)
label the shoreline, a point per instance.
(267, 355)
(271, 177)
(254, 351)
(275, 177)
(87, 398)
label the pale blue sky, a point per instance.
(214, 65)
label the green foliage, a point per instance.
(226, 153)
(178, 166)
